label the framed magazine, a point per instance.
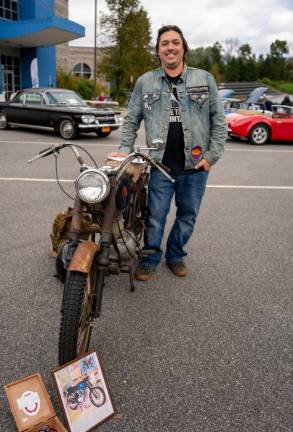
(83, 392)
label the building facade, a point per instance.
(73, 59)
(30, 31)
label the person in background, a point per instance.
(102, 97)
(267, 104)
(181, 107)
(286, 101)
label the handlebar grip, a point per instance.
(44, 150)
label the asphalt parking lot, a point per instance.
(210, 353)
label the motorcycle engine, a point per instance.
(127, 245)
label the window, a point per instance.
(82, 70)
(34, 98)
(9, 9)
(11, 71)
(19, 97)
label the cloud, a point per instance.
(258, 23)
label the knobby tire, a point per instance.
(73, 309)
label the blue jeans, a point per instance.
(189, 190)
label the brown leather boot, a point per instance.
(178, 268)
(144, 273)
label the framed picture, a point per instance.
(83, 392)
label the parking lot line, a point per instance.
(249, 187)
(258, 150)
(25, 179)
(56, 143)
(34, 180)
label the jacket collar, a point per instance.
(162, 73)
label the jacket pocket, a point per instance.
(149, 99)
(200, 98)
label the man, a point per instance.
(181, 107)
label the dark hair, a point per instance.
(176, 29)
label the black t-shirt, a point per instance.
(174, 157)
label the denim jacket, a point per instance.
(200, 107)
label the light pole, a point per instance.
(95, 53)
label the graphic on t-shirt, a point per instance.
(174, 111)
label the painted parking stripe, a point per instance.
(258, 150)
(49, 143)
(23, 179)
(34, 180)
(249, 187)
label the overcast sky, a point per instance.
(257, 22)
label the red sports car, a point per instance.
(259, 128)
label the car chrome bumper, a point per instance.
(98, 125)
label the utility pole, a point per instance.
(95, 53)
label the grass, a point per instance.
(283, 86)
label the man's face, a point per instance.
(171, 50)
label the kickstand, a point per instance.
(131, 277)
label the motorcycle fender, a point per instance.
(83, 257)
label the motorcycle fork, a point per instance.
(103, 258)
(75, 223)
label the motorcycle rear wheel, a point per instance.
(77, 319)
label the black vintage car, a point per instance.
(62, 111)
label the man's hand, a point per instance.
(117, 154)
(205, 164)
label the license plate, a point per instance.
(105, 129)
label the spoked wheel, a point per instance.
(77, 318)
(72, 401)
(97, 396)
(259, 134)
(3, 121)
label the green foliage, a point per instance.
(285, 87)
(65, 79)
(130, 56)
(84, 87)
(81, 85)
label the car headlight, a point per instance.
(92, 186)
(88, 118)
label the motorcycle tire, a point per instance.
(72, 402)
(97, 396)
(77, 317)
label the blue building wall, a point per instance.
(34, 16)
(33, 9)
(46, 56)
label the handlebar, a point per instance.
(49, 150)
(137, 153)
(120, 170)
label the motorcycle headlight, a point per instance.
(92, 186)
(88, 118)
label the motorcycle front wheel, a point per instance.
(97, 396)
(77, 317)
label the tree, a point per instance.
(130, 54)
(230, 47)
(278, 51)
(232, 72)
(244, 52)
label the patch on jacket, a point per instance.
(197, 90)
(196, 152)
